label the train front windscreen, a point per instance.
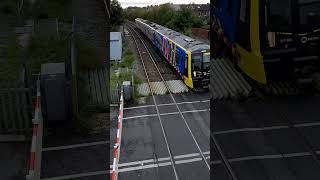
(292, 15)
(200, 64)
(290, 24)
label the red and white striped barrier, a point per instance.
(35, 152)
(116, 149)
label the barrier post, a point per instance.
(116, 147)
(36, 144)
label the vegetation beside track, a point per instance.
(10, 62)
(118, 77)
(182, 20)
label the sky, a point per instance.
(141, 3)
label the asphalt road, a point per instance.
(14, 160)
(144, 154)
(256, 138)
(66, 154)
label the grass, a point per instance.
(127, 62)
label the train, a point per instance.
(269, 40)
(189, 57)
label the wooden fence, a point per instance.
(16, 109)
(115, 95)
(97, 86)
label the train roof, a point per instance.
(186, 42)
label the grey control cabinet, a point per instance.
(53, 91)
(127, 90)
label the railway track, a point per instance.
(166, 72)
(152, 73)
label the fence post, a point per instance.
(74, 73)
(132, 85)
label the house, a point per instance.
(115, 46)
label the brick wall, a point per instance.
(203, 33)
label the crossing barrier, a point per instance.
(36, 144)
(116, 149)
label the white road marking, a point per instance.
(77, 175)
(169, 104)
(74, 146)
(166, 114)
(250, 129)
(266, 128)
(272, 156)
(188, 160)
(160, 159)
(307, 124)
(184, 161)
(247, 158)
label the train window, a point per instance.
(229, 7)
(215, 3)
(186, 66)
(309, 15)
(280, 15)
(243, 33)
(206, 62)
(196, 62)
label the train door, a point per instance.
(169, 42)
(173, 49)
(181, 60)
(243, 31)
(227, 12)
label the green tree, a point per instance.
(165, 14)
(117, 16)
(182, 21)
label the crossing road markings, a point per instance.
(266, 128)
(77, 175)
(169, 104)
(161, 159)
(262, 157)
(75, 146)
(166, 114)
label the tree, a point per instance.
(182, 21)
(117, 16)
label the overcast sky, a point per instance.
(141, 3)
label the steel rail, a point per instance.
(156, 105)
(175, 102)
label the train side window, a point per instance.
(215, 3)
(186, 66)
(243, 33)
(229, 7)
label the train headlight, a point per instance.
(271, 39)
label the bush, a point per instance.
(86, 55)
(43, 49)
(51, 9)
(10, 65)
